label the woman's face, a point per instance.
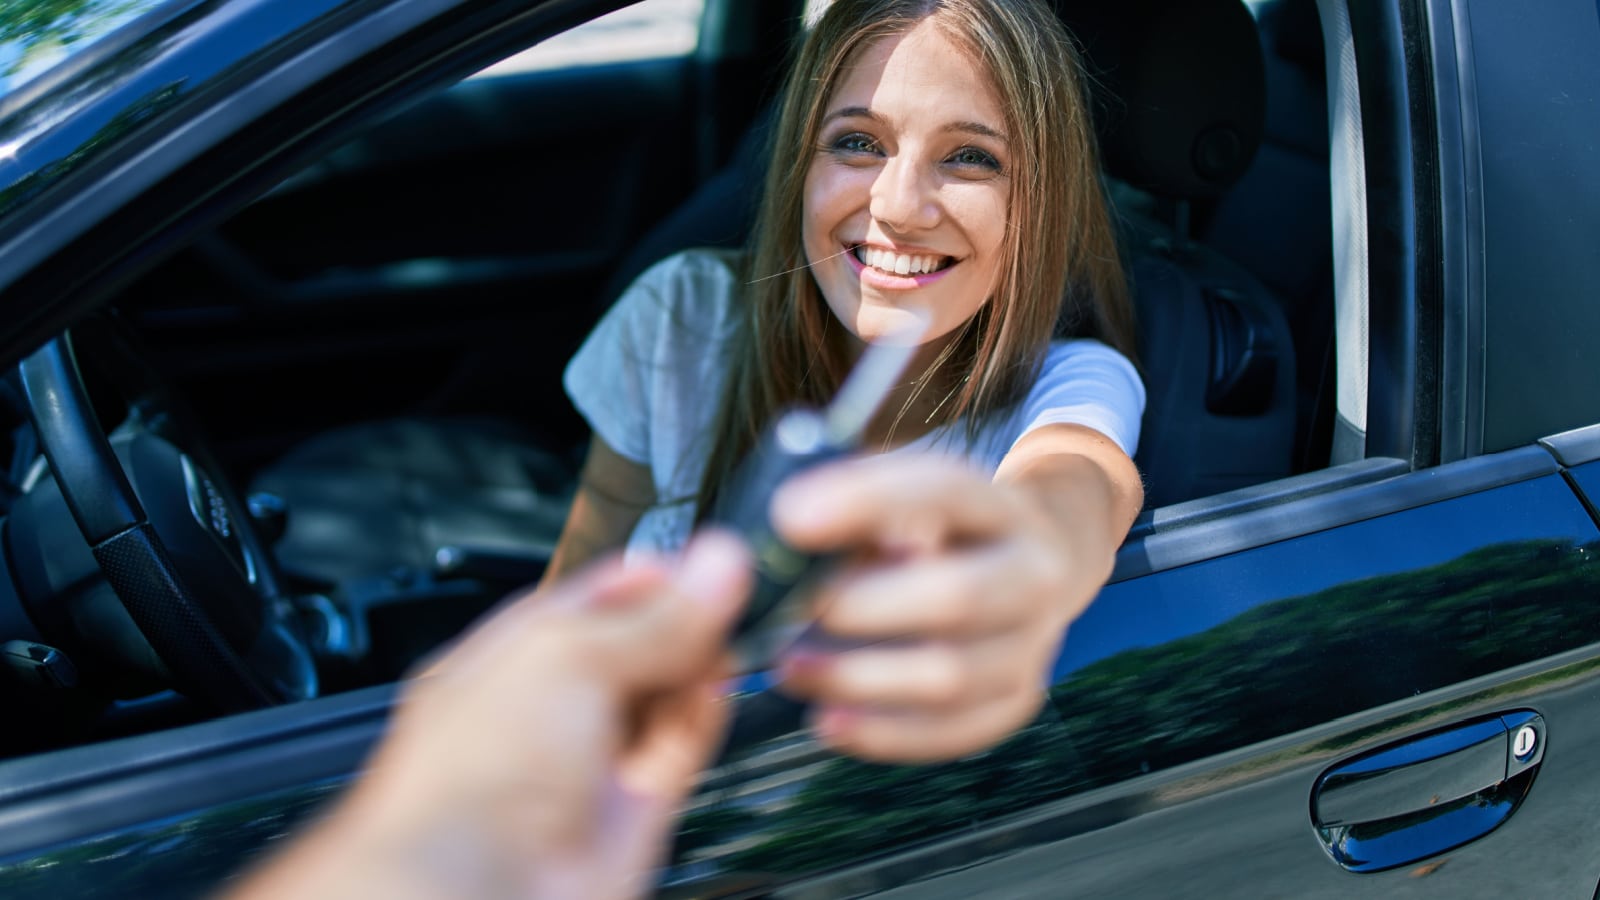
(905, 200)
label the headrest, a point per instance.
(1179, 90)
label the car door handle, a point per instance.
(1423, 795)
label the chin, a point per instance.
(873, 322)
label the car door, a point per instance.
(1248, 647)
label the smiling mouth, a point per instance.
(892, 263)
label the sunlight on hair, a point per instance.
(814, 11)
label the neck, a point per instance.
(913, 408)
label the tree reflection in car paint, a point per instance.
(1141, 710)
(73, 122)
(34, 183)
(187, 856)
(35, 34)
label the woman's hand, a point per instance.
(955, 592)
(548, 752)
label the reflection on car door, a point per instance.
(1238, 655)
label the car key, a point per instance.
(798, 440)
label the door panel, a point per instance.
(1587, 479)
(173, 813)
(1195, 706)
(1239, 825)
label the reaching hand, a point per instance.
(954, 593)
(546, 754)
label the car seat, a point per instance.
(1179, 107)
(1180, 100)
(1278, 219)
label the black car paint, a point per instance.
(1276, 638)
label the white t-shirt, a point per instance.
(649, 379)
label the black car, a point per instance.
(285, 297)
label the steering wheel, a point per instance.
(170, 538)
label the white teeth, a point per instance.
(897, 263)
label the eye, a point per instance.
(854, 143)
(974, 158)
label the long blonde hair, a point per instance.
(1061, 273)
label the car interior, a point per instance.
(373, 349)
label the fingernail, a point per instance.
(712, 567)
(832, 723)
(800, 663)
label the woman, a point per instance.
(932, 160)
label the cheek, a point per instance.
(982, 213)
(815, 202)
(833, 195)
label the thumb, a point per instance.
(681, 629)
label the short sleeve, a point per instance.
(608, 379)
(649, 375)
(1085, 382)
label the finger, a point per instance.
(642, 627)
(676, 735)
(901, 736)
(931, 676)
(551, 744)
(964, 593)
(911, 503)
(679, 633)
(675, 741)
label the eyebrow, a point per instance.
(963, 127)
(977, 128)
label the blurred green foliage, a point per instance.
(38, 26)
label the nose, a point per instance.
(903, 197)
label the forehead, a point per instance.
(921, 72)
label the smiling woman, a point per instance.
(930, 161)
(911, 180)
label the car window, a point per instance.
(648, 30)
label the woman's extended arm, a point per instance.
(1078, 477)
(958, 589)
(613, 493)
